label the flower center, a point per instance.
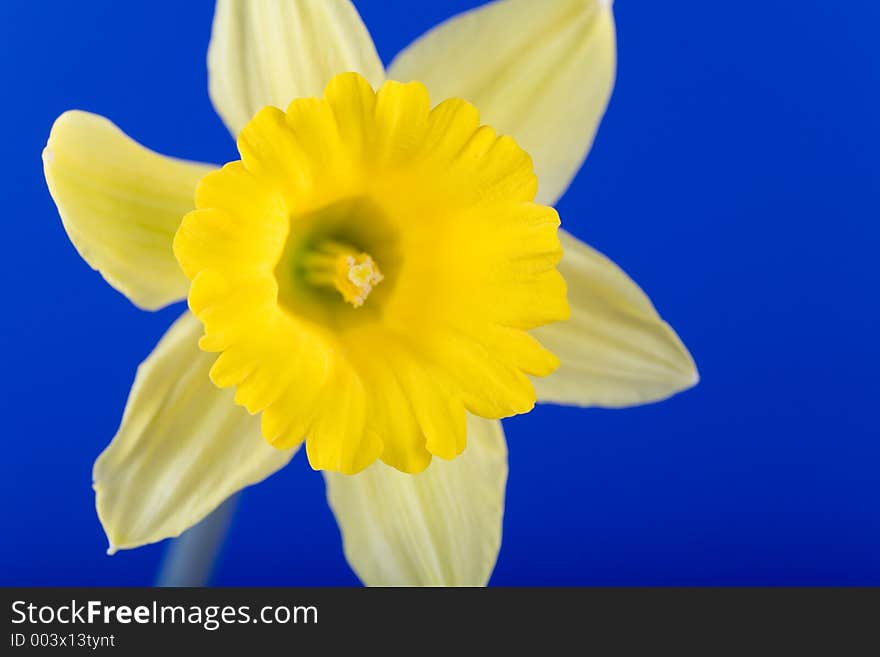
(333, 260)
(340, 266)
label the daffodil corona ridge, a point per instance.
(368, 272)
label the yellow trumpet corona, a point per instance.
(284, 251)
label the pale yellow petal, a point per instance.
(270, 52)
(183, 446)
(615, 350)
(541, 72)
(121, 204)
(441, 527)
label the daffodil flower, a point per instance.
(380, 276)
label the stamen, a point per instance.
(337, 265)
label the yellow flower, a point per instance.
(380, 276)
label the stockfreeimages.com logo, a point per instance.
(210, 617)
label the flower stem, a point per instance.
(190, 558)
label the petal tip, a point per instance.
(692, 378)
(690, 375)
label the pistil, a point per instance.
(334, 264)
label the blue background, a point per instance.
(735, 178)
